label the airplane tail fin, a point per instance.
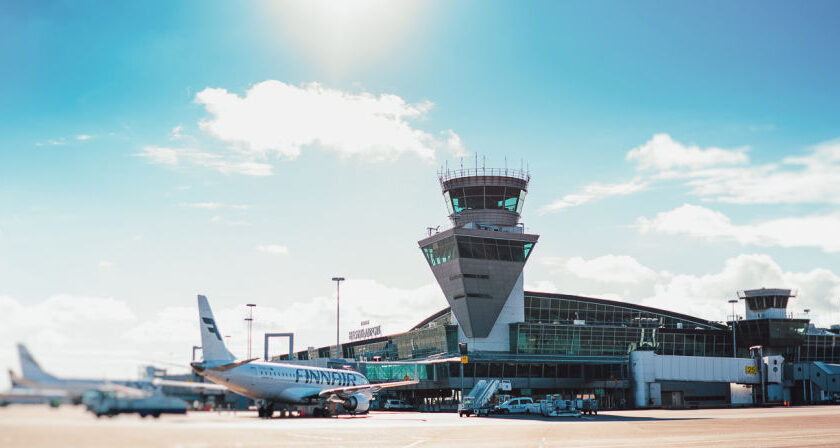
(212, 345)
(30, 368)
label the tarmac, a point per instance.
(38, 426)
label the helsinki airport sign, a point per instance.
(365, 333)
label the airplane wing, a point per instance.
(124, 390)
(368, 388)
(188, 384)
(18, 393)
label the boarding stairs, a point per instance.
(477, 401)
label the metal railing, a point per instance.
(448, 174)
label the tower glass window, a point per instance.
(479, 248)
(484, 198)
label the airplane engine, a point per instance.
(357, 403)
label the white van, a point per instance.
(396, 405)
(519, 405)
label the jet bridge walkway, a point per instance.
(820, 381)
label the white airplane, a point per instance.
(34, 377)
(275, 384)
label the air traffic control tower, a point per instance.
(478, 262)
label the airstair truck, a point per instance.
(477, 402)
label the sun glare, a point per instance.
(341, 34)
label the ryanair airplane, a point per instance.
(275, 385)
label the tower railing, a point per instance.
(448, 174)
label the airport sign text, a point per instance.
(365, 333)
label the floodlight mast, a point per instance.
(337, 281)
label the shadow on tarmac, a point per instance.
(588, 418)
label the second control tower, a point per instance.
(478, 263)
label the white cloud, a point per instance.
(52, 142)
(810, 178)
(274, 249)
(542, 286)
(594, 192)
(83, 137)
(706, 295)
(664, 153)
(106, 265)
(610, 268)
(90, 337)
(172, 157)
(700, 222)
(454, 143)
(61, 327)
(216, 205)
(160, 155)
(176, 133)
(237, 223)
(204, 205)
(280, 119)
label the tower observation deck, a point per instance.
(478, 262)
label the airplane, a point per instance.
(20, 393)
(35, 382)
(33, 376)
(275, 384)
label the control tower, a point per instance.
(478, 262)
(768, 323)
(766, 303)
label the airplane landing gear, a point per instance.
(266, 410)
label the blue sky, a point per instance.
(134, 174)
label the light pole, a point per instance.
(734, 345)
(250, 320)
(337, 281)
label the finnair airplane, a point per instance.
(33, 376)
(275, 384)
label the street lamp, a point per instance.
(337, 281)
(734, 346)
(250, 320)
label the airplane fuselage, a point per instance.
(288, 383)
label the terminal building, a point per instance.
(623, 354)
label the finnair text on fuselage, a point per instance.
(321, 377)
(310, 376)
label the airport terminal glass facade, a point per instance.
(573, 326)
(820, 347)
(484, 198)
(474, 247)
(425, 342)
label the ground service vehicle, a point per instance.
(396, 405)
(518, 405)
(556, 406)
(113, 402)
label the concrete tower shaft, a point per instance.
(478, 263)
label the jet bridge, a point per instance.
(820, 381)
(648, 369)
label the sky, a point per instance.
(152, 151)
